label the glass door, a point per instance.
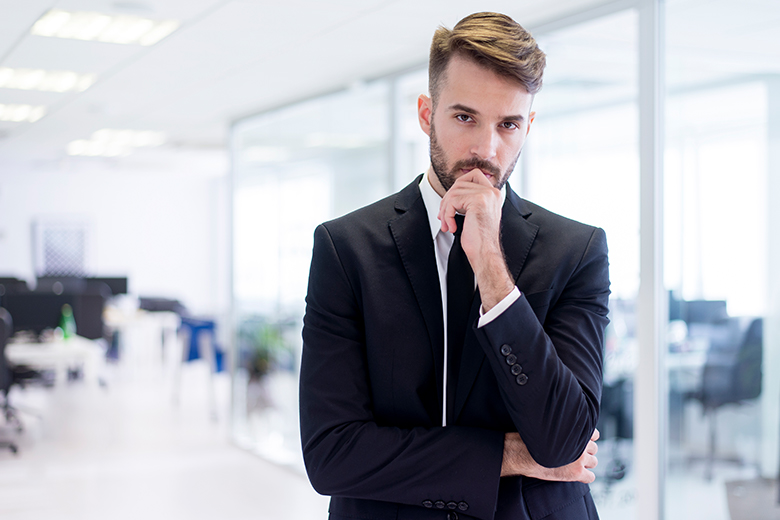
(582, 161)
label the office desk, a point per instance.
(146, 339)
(59, 355)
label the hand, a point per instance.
(517, 461)
(474, 196)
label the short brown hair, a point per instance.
(494, 41)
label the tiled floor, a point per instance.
(127, 452)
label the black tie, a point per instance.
(460, 291)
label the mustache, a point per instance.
(476, 162)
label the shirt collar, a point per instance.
(432, 201)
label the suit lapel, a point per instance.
(413, 239)
(517, 236)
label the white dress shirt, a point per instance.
(442, 245)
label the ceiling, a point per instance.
(228, 59)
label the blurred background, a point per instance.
(163, 165)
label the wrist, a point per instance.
(493, 279)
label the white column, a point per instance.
(770, 392)
(650, 392)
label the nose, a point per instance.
(485, 143)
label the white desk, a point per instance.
(59, 355)
(146, 339)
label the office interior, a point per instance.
(164, 181)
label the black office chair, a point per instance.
(732, 371)
(7, 376)
(12, 375)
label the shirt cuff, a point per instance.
(495, 312)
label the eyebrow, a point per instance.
(463, 108)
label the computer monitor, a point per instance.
(117, 284)
(704, 311)
(60, 284)
(35, 311)
(10, 284)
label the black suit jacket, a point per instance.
(371, 373)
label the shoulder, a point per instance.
(557, 226)
(374, 218)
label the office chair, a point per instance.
(6, 376)
(731, 373)
(11, 375)
(616, 423)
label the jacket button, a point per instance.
(521, 379)
(452, 505)
(440, 504)
(506, 350)
(511, 359)
(463, 506)
(452, 515)
(516, 370)
(428, 504)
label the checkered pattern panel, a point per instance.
(64, 251)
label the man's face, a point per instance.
(481, 121)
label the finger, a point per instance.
(592, 448)
(596, 435)
(449, 222)
(477, 176)
(587, 477)
(447, 216)
(590, 462)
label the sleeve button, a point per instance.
(516, 370)
(511, 359)
(463, 506)
(440, 504)
(506, 350)
(428, 504)
(521, 379)
(452, 505)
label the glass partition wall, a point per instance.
(292, 169)
(718, 389)
(721, 259)
(582, 161)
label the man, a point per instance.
(414, 404)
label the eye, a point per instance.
(510, 125)
(465, 118)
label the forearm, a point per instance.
(407, 466)
(556, 430)
(493, 278)
(518, 461)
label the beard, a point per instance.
(448, 175)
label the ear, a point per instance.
(425, 113)
(531, 118)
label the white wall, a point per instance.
(165, 230)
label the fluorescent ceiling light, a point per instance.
(103, 28)
(20, 113)
(115, 143)
(45, 80)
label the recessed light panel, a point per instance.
(21, 113)
(45, 80)
(89, 26)
(115, 143)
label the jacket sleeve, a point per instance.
(554, 399)
(346, 452)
